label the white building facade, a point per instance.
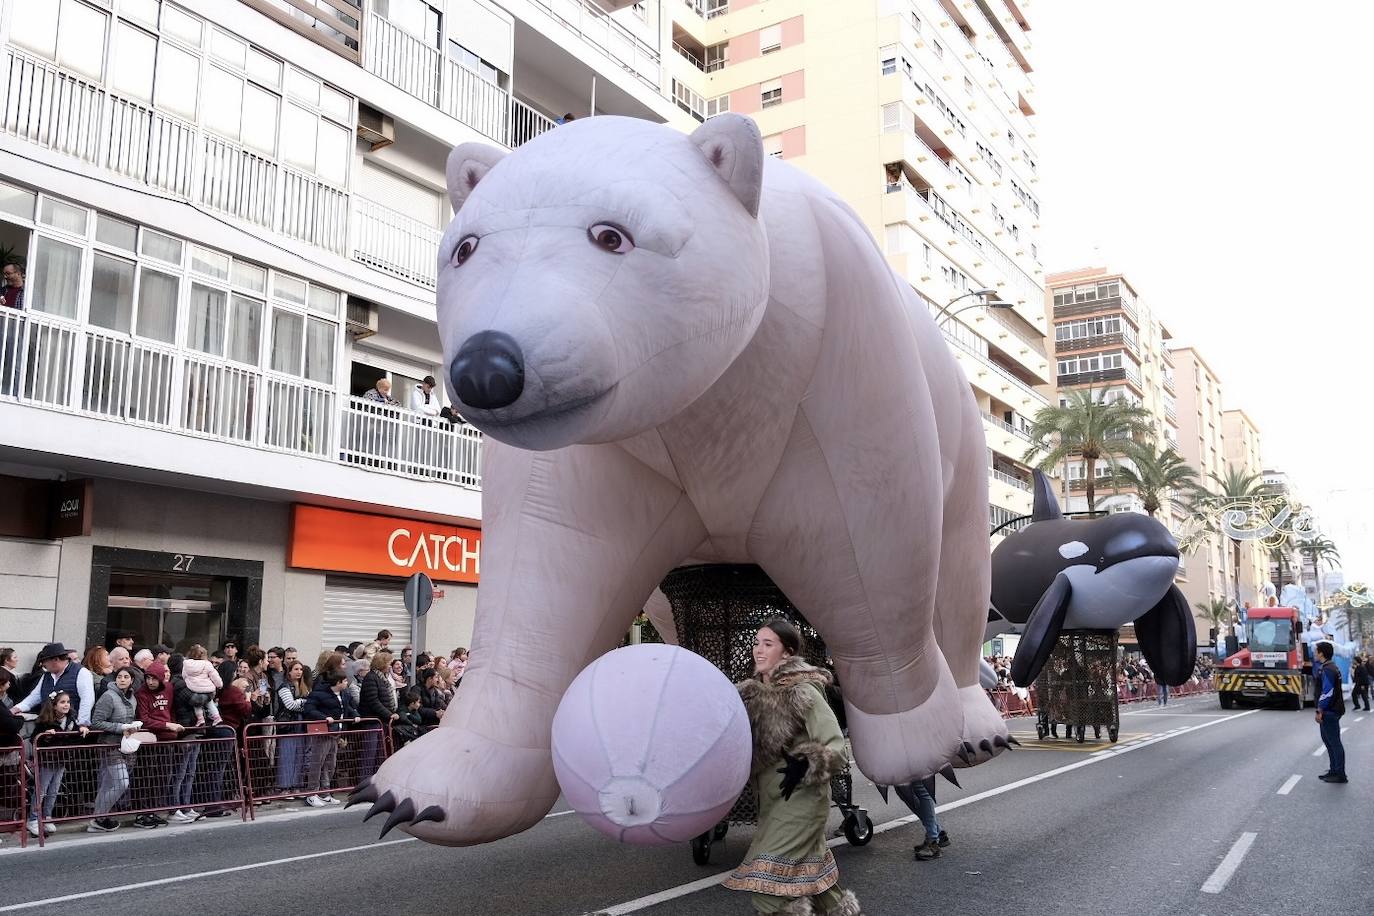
(228, 215)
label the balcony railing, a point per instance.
(1101, 341)
(1122, 373)
(594, 26)
(393, 242)
(52, 108)
(1093, 306)
(401, 59)
(1024, 389)
(1011, 480)
(708, 9)
(60, 365)
(691, 56)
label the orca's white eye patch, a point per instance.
(1072, 549)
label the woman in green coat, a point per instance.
(798, 746)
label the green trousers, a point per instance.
(825, 901)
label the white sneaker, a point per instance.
(182, 817)
(49, 829)
(33, 828)
(330, 800)
(315, 801)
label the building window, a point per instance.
(719, 105)
(470, 61)
(916, 22)
(68, 32)
(968, 85)
(770, 39)
(938, 49)
(413, 16)
(772, 146)
(771, 93)
(717, 56)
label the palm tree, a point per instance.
(1235, 486)
(1089, 428)
(1218, 612)
(1279, 555)
(1320, 549)
(1160, 476)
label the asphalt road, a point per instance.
(1189, 797)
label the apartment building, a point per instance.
(918, 113)
(1241, 449)
(1108, 340)
(229, 213)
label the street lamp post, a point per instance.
(989, 301)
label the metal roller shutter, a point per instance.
(355, 609)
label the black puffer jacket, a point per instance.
(377, 699)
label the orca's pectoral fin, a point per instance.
(1042, 632)
(1168, 638)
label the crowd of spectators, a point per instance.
(139, 707)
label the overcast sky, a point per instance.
(1218, 153)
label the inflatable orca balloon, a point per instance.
(1059, 574)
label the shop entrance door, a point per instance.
(178, 611)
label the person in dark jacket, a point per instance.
(56, 725)
(328, 702)
(432, 701)
(377, 700)
(1330, 708)
(1359, 676)
(291, 740)
(10, 724)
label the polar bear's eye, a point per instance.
(611, 238)
(464, 250)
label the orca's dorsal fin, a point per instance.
(1046, 503)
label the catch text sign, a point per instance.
(360, 542)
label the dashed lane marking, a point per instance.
(1289, 784)
(1217, 883)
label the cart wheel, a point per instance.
(1080, 734)
(701, 849)
(1097, 732)
(858, 829)
(1113, 733)
(719, 833)
(1040, 731)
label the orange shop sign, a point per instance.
(360, 542)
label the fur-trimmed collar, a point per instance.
(778, 707)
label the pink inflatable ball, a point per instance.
(651, 745)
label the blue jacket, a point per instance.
(1329, 696)
(323, 703)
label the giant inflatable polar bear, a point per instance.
(681, 350)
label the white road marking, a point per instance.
(175, 879)
(1346, 729)
(682, 890)
(1288, 786)
(1217, 883)
(1359, 718)
(1319, 751)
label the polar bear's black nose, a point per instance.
(489, 371)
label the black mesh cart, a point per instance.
(717, 609)
(1077, 688)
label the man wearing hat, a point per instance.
(60, 673)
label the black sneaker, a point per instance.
(161, 821)
(102, 825)
(943, 841)
(146, 822)
(222, 812)
(1334, 777)
(1324, 775)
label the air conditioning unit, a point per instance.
(361, 318)
(374, 128)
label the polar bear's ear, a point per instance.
(467, 165)
(733, 146)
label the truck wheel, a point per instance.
(1295, 703)
(1227, 701)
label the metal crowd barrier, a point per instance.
(1011, 705)
(13, 793)
(299, 759)
(87, 779)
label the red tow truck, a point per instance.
(1273, 667)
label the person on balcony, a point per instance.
(381, 393)
(423, 400)
(12, 294)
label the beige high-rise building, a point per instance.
(1108, 340)
(917, 113)
(1202, 444)
(1240, 437)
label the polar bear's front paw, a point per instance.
(985, 732)
(455, 787)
